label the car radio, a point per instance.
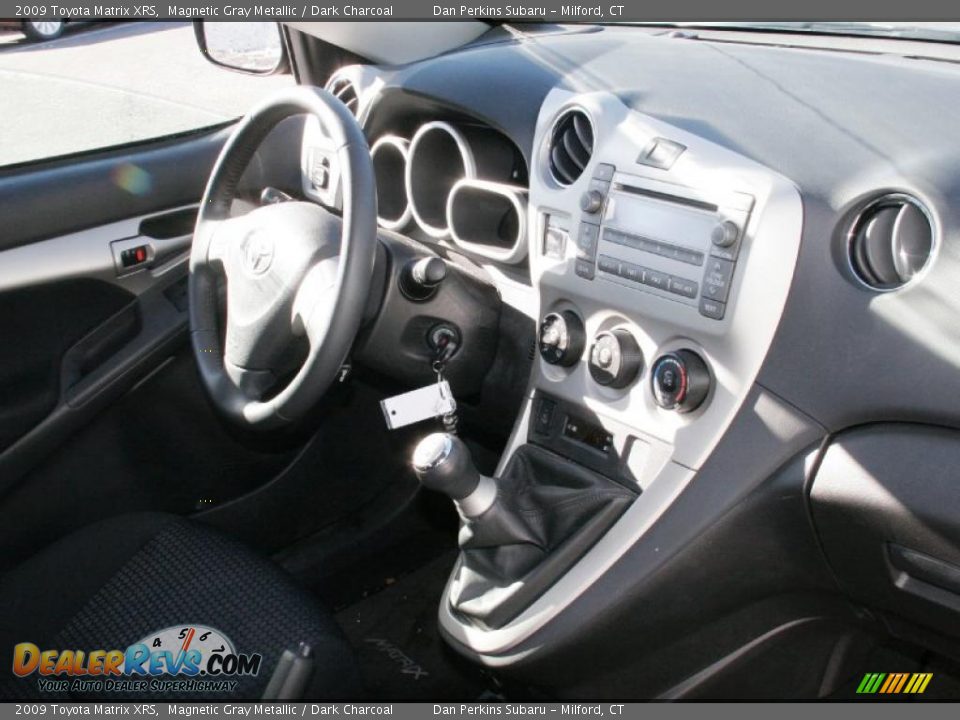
(669, 240)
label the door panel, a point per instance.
(159, 447)
(62, 196)
(40, 324)
(101, 411)
(93, 329)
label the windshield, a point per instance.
(937, 31)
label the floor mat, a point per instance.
(401, 653)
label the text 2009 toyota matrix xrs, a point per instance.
(543, 361)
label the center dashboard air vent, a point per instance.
(890, 242)
(571, 145)
(346, 92)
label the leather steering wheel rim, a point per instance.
(343, 299)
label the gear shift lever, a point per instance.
(442, 462)
(517, 533)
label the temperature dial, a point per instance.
(562, 338)
(680, 381)
(615, 358)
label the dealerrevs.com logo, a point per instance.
(182, 658)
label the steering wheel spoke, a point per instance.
(315, 301)
(222, 237)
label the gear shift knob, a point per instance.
(442, 462)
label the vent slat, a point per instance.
(576, 150)
(583, 130)
(562, 168)
(571, 146)
(345, 92)
(891, 241)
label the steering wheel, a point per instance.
(297, 276)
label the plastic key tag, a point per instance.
(434, 400)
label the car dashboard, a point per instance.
(734, 253)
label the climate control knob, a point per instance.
(615, 358)
(680, 381)
(562, 338)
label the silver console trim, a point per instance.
(480, 500)
(517, 198)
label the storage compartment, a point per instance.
(886, 504)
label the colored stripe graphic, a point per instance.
(894, 683)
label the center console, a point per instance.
(661, 264)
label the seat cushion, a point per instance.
(119, 581)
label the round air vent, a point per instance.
(570, 147)
(345, 92)
(891, 242)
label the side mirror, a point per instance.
(255, 48)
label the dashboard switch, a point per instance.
(661, 153)
(545, 412)
(419, 279)
(134, 256)
(615, 359)
(680, 380)
(554, 243)
(562, 338)
(604, 171)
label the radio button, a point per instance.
(608, 264)
(584, 269)
(729, 253)
(691, 257)
(587, 241)
(629, 271)
(655, 279)
(682, 286)
(712, 309)
(716, 280)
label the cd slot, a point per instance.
(653, 194)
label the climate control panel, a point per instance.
(679, 380)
